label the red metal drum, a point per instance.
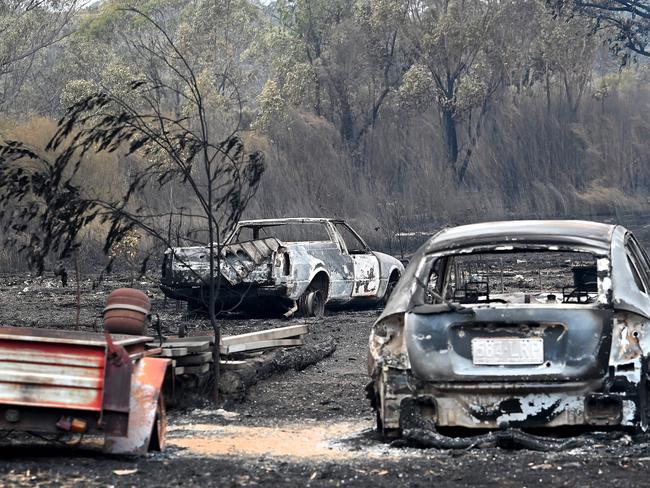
(126, 311)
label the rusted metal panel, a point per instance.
(29, 352)
(86, 378)
(50, 396)
(49, 336)
(40, 374)
(54, 374)
(148, 376)
(118, 373)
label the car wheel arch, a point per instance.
(321, 280)
(391, 282)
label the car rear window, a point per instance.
(517, 277)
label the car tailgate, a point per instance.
(510, 344)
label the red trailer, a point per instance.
(57, 382)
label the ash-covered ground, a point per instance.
(299, 428)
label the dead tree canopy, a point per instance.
(627, 22)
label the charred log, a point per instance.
(234, 383)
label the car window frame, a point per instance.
(344, 245)
(257, 229)
(638, 262)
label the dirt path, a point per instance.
(299, 428)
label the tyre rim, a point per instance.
(317, 303)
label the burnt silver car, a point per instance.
(290, 264)
(516, 325)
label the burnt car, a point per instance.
(291, 264)
(521, 326)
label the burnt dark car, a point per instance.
(520, 325)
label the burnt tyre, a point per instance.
(375, 402)
(312, 303)
(643, 424)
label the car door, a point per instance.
(366, 265)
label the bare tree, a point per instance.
(41, 192)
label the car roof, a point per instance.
(289, 220)
(600, 239)
(577, 233)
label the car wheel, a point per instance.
(312, 303)
(386, 434)
(644, 398)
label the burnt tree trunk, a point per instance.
(451, 137)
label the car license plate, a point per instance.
(507, 350)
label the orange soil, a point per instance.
(312, 441)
